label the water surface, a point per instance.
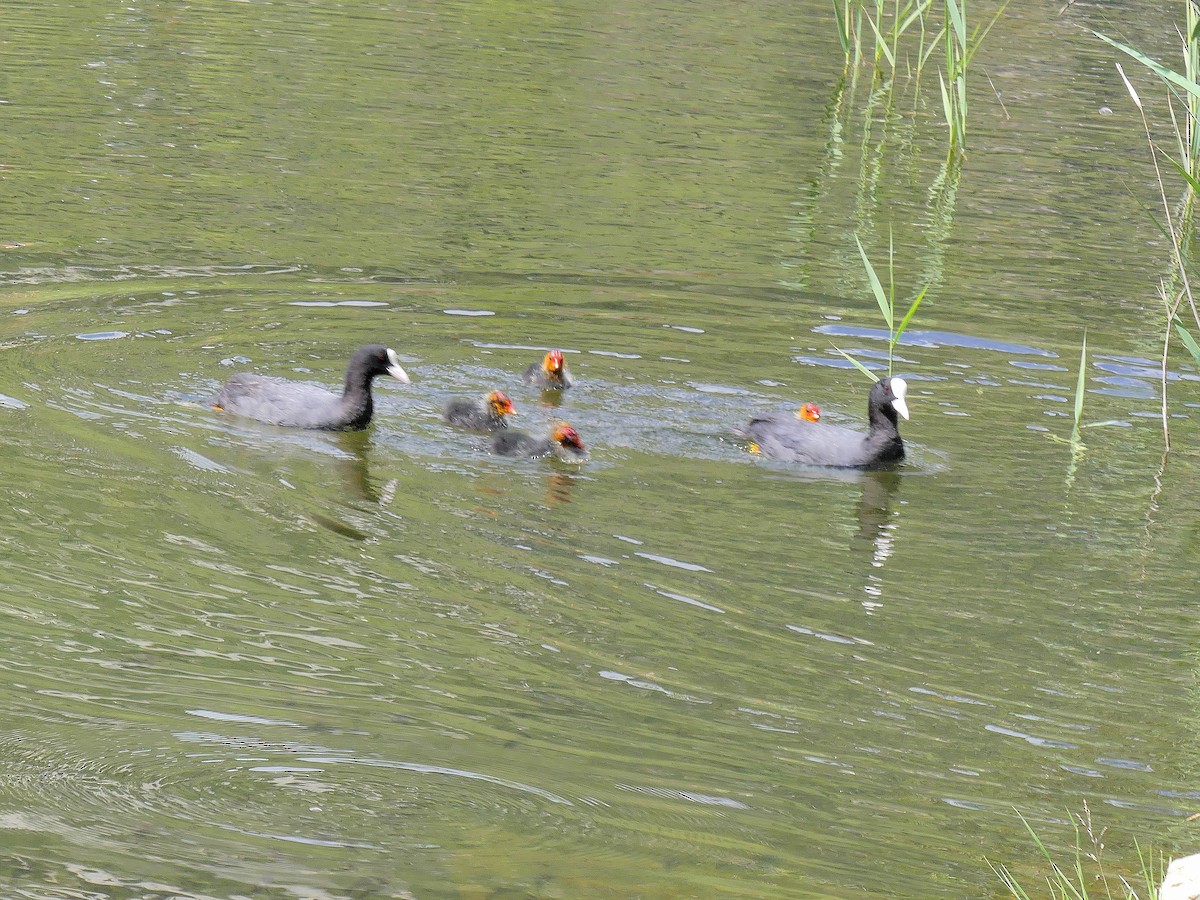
(245, 661)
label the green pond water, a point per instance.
(244, 662)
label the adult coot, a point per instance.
(792, 439)
(549, 374)
(277, 401)
(563, 443)
(488, 415)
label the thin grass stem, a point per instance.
(1175, 237)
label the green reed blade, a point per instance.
(914, 16)
(1189, 342)
(1191, 180)
(843, 27)
(1152, 874)
(881, 298)
(977, 38)
(871, 375)
(933, 45)
(881, 42)
(1158, 69)
(1079, 385)
(908, 315)
(946, 102)
(954, 14)
(891, 288)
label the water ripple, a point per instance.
(424, 769)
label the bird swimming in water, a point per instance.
(277, 401)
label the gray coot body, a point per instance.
(563, 443)
(791, 438)
(277, 401)
(489, 415)
(550, 373)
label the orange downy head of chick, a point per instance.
(809, 412)
(553, 363)
(500, 403)
(567, 436)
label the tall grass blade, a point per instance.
(1157, 68)
(1179, 227)
(1077, 451)
(881, 42)
(843, 26)
(1152, 874)
(977, 38)
(891, 288)
(1137, 101)
(954, 14)
(1060, 881)
(871, 375)
(1009, 881)
(881, 298)
(915, 16)
(1179, 132)
(908, 315)
(946, 107)
(1188, 177)
(933, 45)
(1189, 342)
(1081, 383)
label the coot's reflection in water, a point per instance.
(550, 398)
(877, 521)
(878, 525)
(877, 516)
(558, 488)
(354, 466)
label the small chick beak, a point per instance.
(395, 369)
(502, 404)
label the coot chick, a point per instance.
(563, 443)
(486, 415)
(277, 401)
(549, 374)
(809, 412)
(791, 439)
